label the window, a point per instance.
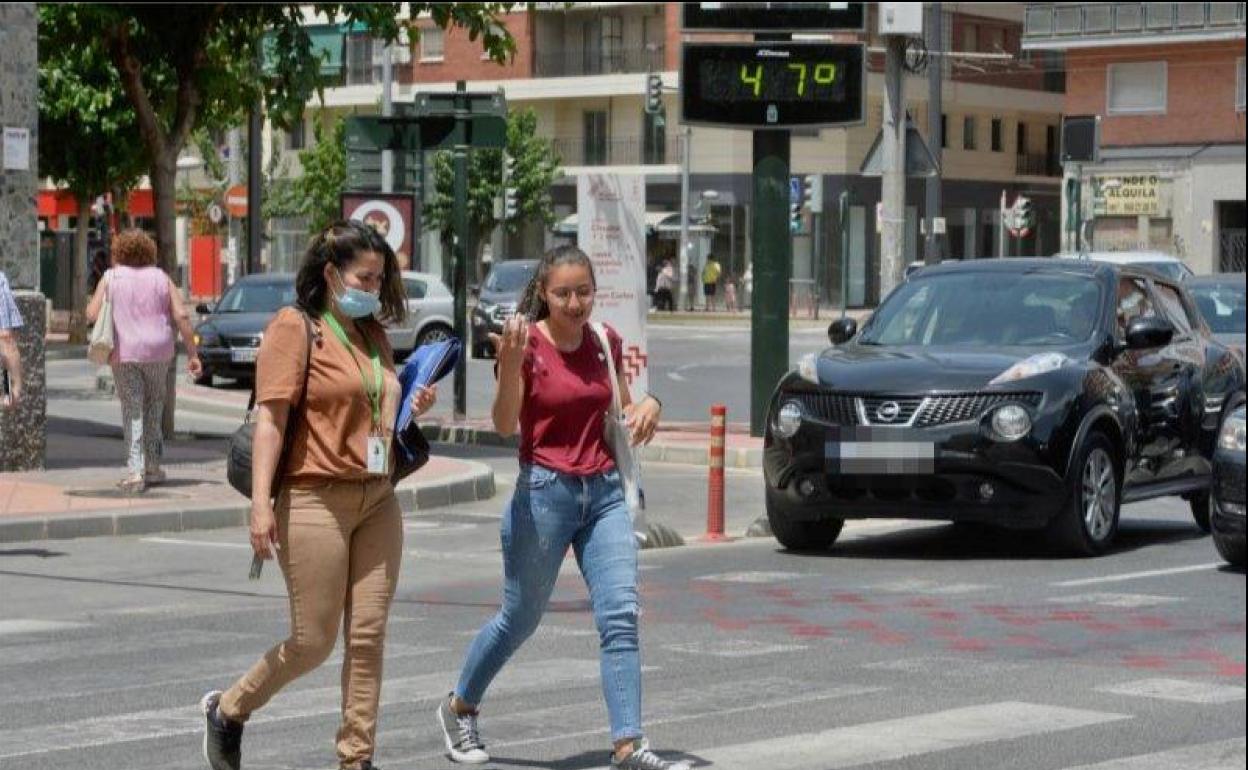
(432, 44)
(415, 289)
(968, 132)
(996, 40)
(1133, 303)
(996, 134)
(361, 68)
(944, 129)
(1136, 88)
(1239, 84)
(595, 138)
(1175, 312)
(1020, 139)
(603, 41)
(970, 38)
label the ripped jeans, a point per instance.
(548, 512)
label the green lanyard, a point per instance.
(373, 393)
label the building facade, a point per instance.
(1167, 80)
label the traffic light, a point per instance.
(654, 93)
(510, 206)
(795, 216)
(813, 192)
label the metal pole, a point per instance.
(935, 81)
(459, 251)
(387, 109)
(254, 140)
(816, 266)
(773, 266)
(892, 244)
(685, 298)
(236, 177)
(1001, 227)
(844, 214)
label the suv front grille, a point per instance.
(243, 342)
(848, 409)
(942, 410)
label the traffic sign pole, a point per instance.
(460, 250)
(773, 262)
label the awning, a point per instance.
(656, 222)
(327, 45)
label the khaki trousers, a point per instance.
(341, 543)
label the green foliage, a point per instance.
(87, 128)
(537, 167)
(315, 193)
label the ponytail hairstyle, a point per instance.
(340, 243)
(532, 304)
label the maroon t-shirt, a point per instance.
(565, 396)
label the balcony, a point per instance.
(575, 151)
(1037, 164)
(578, 62)
(1079, 25)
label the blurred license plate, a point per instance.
(880, 457)
(244, 356)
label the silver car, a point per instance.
(430, 314)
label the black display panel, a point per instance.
(774, 17)
(773, 85)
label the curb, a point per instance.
(734, 457)
(472, 486)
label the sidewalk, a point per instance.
(86, 503)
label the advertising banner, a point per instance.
(392, 215)
(611, 214)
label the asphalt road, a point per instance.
(908, 645)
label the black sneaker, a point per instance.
(222, 738)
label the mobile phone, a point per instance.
(257, 564)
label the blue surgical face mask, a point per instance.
(356, 303)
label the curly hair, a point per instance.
(133, 248)
(339, 244)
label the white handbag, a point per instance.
(100, 346)
(615, 431)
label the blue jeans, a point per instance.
(550, 511)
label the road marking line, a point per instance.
(896, 739)
(1219, 755)
(733, 648)
(33, 626)
(296, 704)
(751, 577)
(198, 543)
(1136, 575)
(1182, 690)
(1124, 601)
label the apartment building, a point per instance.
(1167, 80)
(582, 69)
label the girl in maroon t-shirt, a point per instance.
(553, 384)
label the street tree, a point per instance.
(205, 65)
(86, 130)
(314, 193)
(536, 169)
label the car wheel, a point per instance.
(800, 535)
(1200, 510)
(1089, 519)
(431, 334)
(204, 378)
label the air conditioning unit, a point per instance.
(901, 18)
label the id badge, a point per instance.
(378, 455)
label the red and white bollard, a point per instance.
(715, 478)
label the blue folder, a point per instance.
(425, 366)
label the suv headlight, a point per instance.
(789, 419)
(808, 368)
(1231, 436)
(206, 337)
(1011, 422)
(1041, 363)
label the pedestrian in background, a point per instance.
(553, 384)
(10, 356)
(336, 525)
(691, 282)
(710, 280)
(146, 306)
(730, 293)
(663, 283)
(99, 266)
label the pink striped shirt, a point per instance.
(142, 316)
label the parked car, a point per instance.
(1226, 512)
(229, 333)
(430, 314)
(1168, 266)
(497, 301)
(1221, 300)
(1021, 393)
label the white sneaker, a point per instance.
(643, 758)
(463, 741)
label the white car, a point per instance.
(1159, 262)
(430, 314)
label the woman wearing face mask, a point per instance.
(336, 526)
(553, 384)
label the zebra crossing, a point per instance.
(545, 710)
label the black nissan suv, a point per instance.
(1021, 393)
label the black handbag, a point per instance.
(238, 459)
